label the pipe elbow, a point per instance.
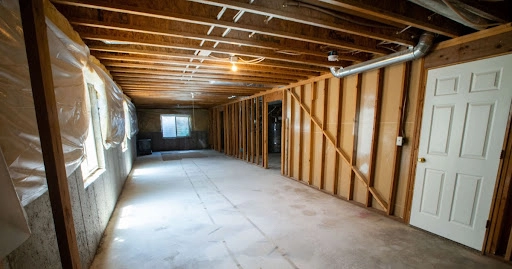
(336, 72)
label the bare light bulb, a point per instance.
(234, 68)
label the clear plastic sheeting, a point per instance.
(19, 138)
(110, 106)
(132, 116)
(14, 228)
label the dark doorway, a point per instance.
(274, 134)
(221, 119)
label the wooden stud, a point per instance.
(353, 157)
(508, 253)
(36, 46)
(397, 154)
(284, 135)
(338, 137)
(324, 130)
(249, 130)
(265, 133)
(501, 198)
(226, 130)
(415, 144)
(356, 173)
(251, 121)
(314, 89)
(301, 136)
(245, 129)
(375, 138)
(232, 127)
(258, 137)
(291, 144)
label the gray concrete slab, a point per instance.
(219, 212)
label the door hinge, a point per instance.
(488, 224)
(502, 155)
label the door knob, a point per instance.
(421, 160)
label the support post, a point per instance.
(38, 55)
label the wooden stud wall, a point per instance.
(244, 128)
(340, 134)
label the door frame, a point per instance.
(271, 97)
(480, 47)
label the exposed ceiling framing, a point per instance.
(160, 51)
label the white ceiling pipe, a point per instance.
(409, 54)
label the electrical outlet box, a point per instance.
(400, 141)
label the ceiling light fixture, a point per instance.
(233, 60)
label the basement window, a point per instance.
(174, 126)
(93, 163)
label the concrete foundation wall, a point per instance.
(92, 207)
(150, 127)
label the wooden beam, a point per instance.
(154, 51)
(258, 136)
(319, 36)
(404, 12)
(486, 43)
(160, 41)
(121, 66)
(41, 79)
(312, 18)
(246, 42)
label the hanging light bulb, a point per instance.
(233, 60)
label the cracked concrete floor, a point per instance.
(219, 212)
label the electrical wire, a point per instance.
(302, 4)
(464, 18)
(253, 61)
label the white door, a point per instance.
(464, 121)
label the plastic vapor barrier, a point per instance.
(134, 129)
(73, 68)
(19, 138)
(110, 106)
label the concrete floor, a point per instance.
(218, 212)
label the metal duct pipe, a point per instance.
(409, 54)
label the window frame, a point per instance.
(189, 119)
(90, 175)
